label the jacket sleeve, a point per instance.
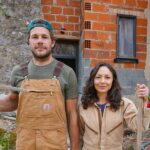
(130, 115)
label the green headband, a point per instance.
(40, 23)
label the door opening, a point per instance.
(66, 51)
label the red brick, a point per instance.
(141, 56)
(77, 27)
(99, 7)
(141, 22)
(49, 17)
(141, 31)
(103, 35)
(106, 1)
(140, 65)
(141, 48)
(73, 19)
(75, 3)
(62, 2)
(141, 39)
(68, 11)
(77, 11)
(97, 44)
(89, 54)
(113, 36)
(113, 54)
(108, 18)
(56, 10)
(129, 65)
(110, 27)
(89, 1)
(118, 2)
(97, 26)
(110, 46)
(114, 18)
(56, 26)
(104, 17)
(46, 9)
(61, 18)
(90, 34)
(131, 2)
(69, 27)
(91, 16)
(46, 1)
(142, 4)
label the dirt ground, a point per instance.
(130, 140)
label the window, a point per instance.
(126, 39)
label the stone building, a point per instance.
(88, 32)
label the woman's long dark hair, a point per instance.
(89, 96)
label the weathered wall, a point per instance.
(14, 15)
(99, 27)
(64, 15)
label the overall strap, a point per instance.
(24, 68)
(58, 69)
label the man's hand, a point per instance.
(9, 102)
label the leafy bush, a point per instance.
(7, 140)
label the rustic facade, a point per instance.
(87, 29)
(95, 24)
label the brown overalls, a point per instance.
(41, 117)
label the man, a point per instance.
(48, 92)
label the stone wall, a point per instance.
(14, 15)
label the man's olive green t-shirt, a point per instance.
(67, 77)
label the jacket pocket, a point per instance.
(111, 127)
(91, 136)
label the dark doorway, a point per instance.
(66, 51)
(69, 62)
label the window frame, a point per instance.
(133, 58)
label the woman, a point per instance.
(103, 111)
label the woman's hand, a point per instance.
(142, 92)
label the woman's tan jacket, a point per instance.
(106, 133)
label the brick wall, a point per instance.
(64, 15)
(100, 29)
(94, 23)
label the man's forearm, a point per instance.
(74, 131)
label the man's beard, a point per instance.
(43, 56)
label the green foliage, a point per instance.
(7, 140)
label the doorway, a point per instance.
(66, 51)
